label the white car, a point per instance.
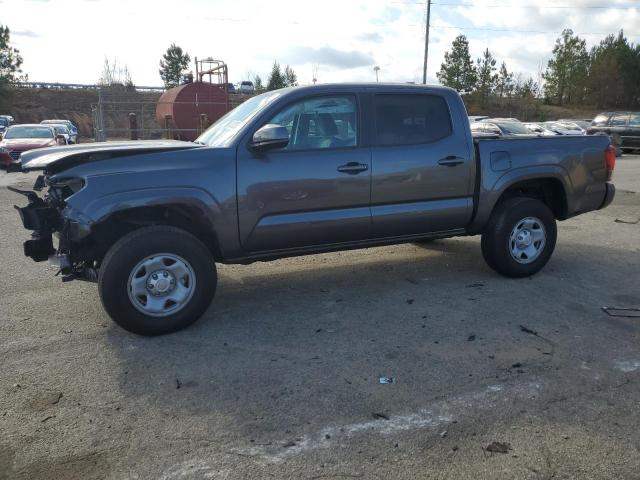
(540, 129)
(247, 87)
(565, 128)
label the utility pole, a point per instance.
(426, 44)
(376, 69)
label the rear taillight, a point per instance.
(610, 160)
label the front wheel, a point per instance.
(157, 280)
(520, 237)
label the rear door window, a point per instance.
(411, 119)
(634, 120)
(619, 120)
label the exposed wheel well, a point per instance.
(548, 190)
(190, 219)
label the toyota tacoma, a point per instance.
(300, 171)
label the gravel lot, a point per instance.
(280, 379)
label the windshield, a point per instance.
(222, 132)
(61, 129)
(514, 128)
(28, 132)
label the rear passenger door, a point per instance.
(631, 138)
(423, 165)
(618, 126)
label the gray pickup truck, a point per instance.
(300, 171)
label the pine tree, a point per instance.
(565, 77)
(504, 84)
(257, 83)
(290, 77)
(486, 78)
(173, 63)
(458, 71)
(276, 78)
(10, 63)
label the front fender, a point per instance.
(219, 215)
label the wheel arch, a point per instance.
(551, 185)
(189, 209)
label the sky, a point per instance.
(68, 40)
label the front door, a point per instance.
(316, 190)
(423, 166)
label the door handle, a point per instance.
(451, 161)
(353, 168)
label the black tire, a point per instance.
(125, 255)
(496, 236)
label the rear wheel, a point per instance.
(520, 237)
(157, 280)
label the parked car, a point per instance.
(540, 129)
(247, 87)
(231, 88)
(300, 171)
(64, 131)
(73, 130)
(564, 128)
(500, 127)
(622, 127)
(4, 124)
(22, 138)
(583, 124)
(510, 119)
(9, 119)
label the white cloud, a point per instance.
(67, 40)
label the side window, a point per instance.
(619, 120)
(320, 123)
(634, 120)
(600, 121)
(411, 119)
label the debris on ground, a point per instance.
(517, 365)
(385, 380)
(498, 447)
(443, 433)
(289, 444)
(471, 338)
(627, 220)
(410, 300)
(47, 418)
(178, 384)
(475, 285)
(380, 416)
(412, 281)
(526, 329)
(622, 312)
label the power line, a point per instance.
(573, 7)
(529, 31)
(510, 5)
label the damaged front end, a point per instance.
(50, 216)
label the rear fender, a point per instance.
(490, 193)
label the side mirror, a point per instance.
(60, 140)
(270, 136)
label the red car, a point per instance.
(20, 138)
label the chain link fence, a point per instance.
(119, 116)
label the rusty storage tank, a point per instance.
(183, 108)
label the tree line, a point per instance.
(606, 76)
(175, 62)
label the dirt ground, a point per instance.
(492, 378)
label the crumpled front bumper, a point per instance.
(43, 220)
